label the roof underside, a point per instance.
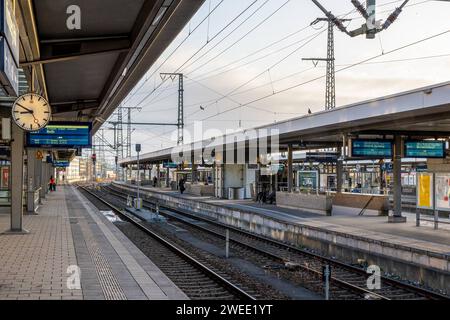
(85, 73)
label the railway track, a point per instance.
(192, 276)
(347, 280)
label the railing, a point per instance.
(5, 197)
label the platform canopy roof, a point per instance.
(85, 73)
(421, 113)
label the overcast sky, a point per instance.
(238, 67)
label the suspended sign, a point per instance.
(9, 49)
(61, 163)
(321, 157)
(62, 135)
(170, 165)
(371, 148)
(424, 149)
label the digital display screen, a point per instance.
(9, 48)
(425, 149)
(62, 135)
(372, 148)
(170, 165)
(61, 163)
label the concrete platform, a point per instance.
(70, 233)
(418, 253)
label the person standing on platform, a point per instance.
(181, 185)
(155, 181)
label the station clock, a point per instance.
(31, 112)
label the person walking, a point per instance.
(52, 184)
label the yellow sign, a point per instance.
(425, 191)
(39, 155)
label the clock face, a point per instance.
(31, 112)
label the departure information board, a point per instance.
(62, 135)
(425, 149)
(372, 148)
(61, 163)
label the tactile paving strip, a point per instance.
(110, 286)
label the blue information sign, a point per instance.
(171, 165)
(372, 148)
(62, 135)
(425, 149)
(9, 49)
(61, 163)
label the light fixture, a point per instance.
(159, 15)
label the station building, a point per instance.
(84, 74)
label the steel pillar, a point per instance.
(32, 182)
(290, 176)
(339, 170)
(39, 184)
(168, 177)
(330, 96)
(194, 173)
(397, 171)
(158, 172)
(17, 179)
(47, 177)
(44, 180)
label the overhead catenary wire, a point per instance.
(339, 70)
(340, 65)
(313, 37)
(240, 66)
(276, 42)
(378, 62)
(356, 17)
(241, 38)
(282, 39)
(271, 67)
(233, 100)
(181, 43)
(202, 47)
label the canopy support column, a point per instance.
(397, 171)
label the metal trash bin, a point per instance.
(236, 193)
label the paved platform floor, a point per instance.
(72, 251)
(369, 226)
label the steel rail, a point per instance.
(395, 283)
(209, 272)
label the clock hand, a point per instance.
(30, 111)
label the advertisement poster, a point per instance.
(5, 178)
(443, 191)
(308, 179)
(425, 190)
